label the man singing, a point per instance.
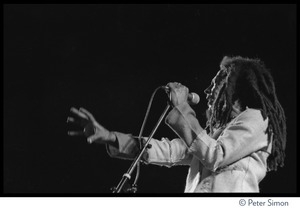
(244, 139)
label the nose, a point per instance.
(208, 90)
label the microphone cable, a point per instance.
(134, 185)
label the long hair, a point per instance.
(251, 83)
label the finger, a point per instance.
(75, 133)
(70, 119)
(80, 122)
(170, 86)
(91, 139)
(173, 85)
(78, 113)
(87, 113)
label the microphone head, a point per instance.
(193, 98)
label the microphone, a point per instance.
(192, 99)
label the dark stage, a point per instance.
(109, 59)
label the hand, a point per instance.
(178, 93)
(91, 128)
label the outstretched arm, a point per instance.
(125, 146)
(163, 152)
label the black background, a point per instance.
(109, 59)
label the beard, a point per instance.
(208, 113)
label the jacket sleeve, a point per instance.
(127, 147)
(163, 152)
(245, 135)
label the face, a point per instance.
(213, 90)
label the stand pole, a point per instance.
(127, 175)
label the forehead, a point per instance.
(221, 74)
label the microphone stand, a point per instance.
(127, 175)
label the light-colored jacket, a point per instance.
(234, 159)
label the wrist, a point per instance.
(112, 139)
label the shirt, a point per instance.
(234, 159)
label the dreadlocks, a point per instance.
(251, 83)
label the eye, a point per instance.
(213, 86)
(208, 89)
